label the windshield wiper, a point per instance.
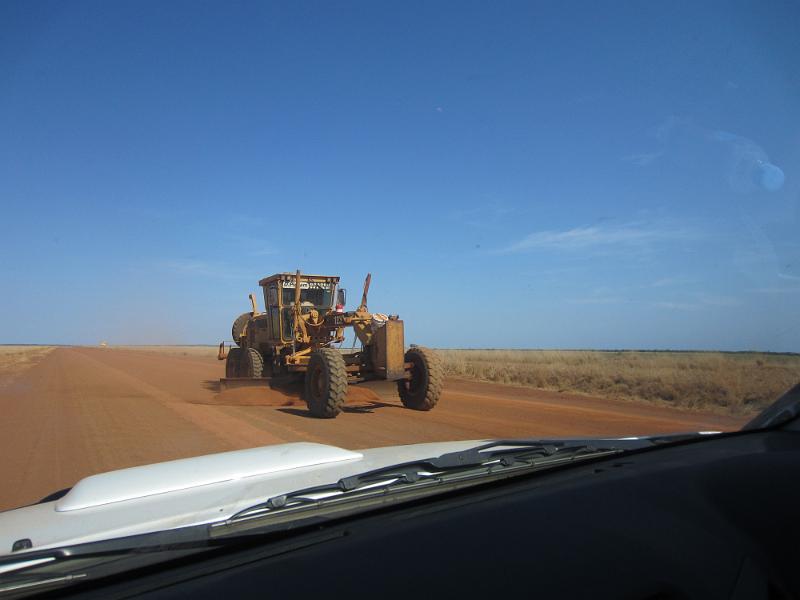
(67, 564)
(23, 575)
(494, 460)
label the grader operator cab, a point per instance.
(301, 332)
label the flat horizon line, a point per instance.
(609, 350)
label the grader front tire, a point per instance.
(252, 363)
(326, 383)
(422, 390)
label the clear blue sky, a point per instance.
(513, 174)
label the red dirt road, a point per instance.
(85, 410)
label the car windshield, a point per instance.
(555, 220)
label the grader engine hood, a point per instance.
(388, 348)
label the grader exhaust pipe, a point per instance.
(363, 306)
(296, 309)
(298, 320)
(297, 291)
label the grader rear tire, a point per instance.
(252, 363)
(422, 390)
(238, 326)
(233, 363)
(326, 383)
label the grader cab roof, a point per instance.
(303, 277)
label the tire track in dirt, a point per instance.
(234, 432)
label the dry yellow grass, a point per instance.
(737, 384)
(15, 359)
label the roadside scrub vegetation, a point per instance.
(730, 383)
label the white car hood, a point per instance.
(192, 491)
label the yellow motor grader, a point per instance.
(301, 332)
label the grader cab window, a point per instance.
(271, 296)
(288, 320)
(271, 302)
(319, 297)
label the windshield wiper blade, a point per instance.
(499, 458)
(480, 454)
(486, 454)
(83, 562)
(64, 558)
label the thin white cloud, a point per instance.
(605, 300)
(266, 251)
(669, 282)
(702, 301)
(711, 300)
(788, 277)
(588, 98)
(677, 305)
(776, 290)
(642, 159)
(664, 130)
(202, 268)
(593, 237)
(251, 246)
(486, 216)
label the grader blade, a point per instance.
(232, 383)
